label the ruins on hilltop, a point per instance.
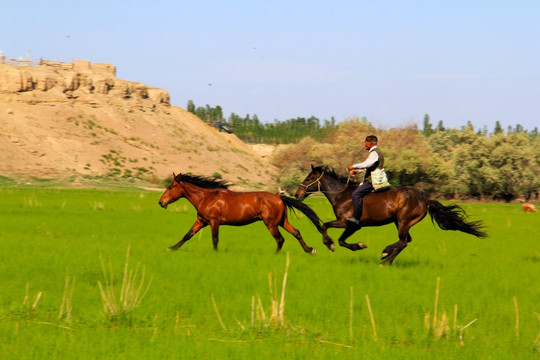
(80, 80)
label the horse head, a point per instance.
(173, 192)
(311, 183)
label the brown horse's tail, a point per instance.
(453, 217)
(306, 210)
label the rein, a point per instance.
(318, 181)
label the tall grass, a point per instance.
(276, 312)
(438, 324)
(133, 289)
(66, 307)
(27, 302)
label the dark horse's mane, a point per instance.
(329, 170)
(203, 181)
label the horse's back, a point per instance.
(241, 208)
(396, 200)
(252, 199)
(254, 196)
(398, 193)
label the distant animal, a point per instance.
(403, 206)
(217, 205)
(528, 207)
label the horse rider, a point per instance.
(374, 161)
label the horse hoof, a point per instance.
(362, 245)
(332, 247)
(313, 251)
(170, 249)
(384, 256)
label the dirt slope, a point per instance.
(79, 121)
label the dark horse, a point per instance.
(403, 206)
(217, 205)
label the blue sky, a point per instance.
(390, 61)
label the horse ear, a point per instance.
(312, 167)
(173, 175)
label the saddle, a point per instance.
(381, 189)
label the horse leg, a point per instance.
(353, 247)
(409, 238)
(277, 235)
(215, 234)
(194, 229)
(403, 226)
(327, 240)
(296, 233)
(392, 251)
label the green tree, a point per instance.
(474, 170)
(517, 159)
(498, 128)
(440, 126)
(191, 106)
(428, 127)
(441, 143)
(405, 167)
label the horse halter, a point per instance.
(313, 182)
(318, 181)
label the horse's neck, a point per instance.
(195, 194)
(333, 189)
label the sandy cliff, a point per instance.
(77, 120)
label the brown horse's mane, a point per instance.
(203, 181)
(329, 170)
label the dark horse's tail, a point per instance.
(453, 217)
(293, 203)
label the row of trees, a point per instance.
(250, 129)
(430, 130)
(451, 163)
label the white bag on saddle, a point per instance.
(379, 180)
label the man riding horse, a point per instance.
(373, 165)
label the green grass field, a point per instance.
(447, 296)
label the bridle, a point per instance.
(318, 181)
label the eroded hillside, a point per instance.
(79, 121)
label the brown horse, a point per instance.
(217, 205)
(403, 206)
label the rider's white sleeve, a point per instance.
(371, 159)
